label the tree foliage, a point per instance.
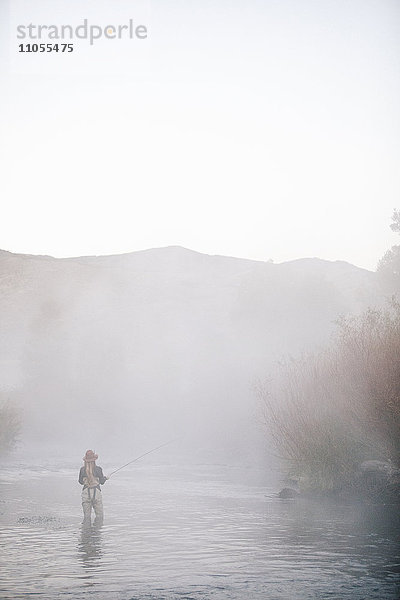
(389, 265)
(395, 226)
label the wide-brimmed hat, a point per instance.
(90, 456)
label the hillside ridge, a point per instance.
(179, 251)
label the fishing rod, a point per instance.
(141, 456)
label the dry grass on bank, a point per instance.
(328, 412)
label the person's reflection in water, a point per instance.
(89, 547)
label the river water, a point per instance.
(195, 532)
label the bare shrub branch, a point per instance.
(328, 412)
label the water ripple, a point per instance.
(189, 538)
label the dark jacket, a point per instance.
(97, 472)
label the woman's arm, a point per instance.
(81, 475)
(101, 476)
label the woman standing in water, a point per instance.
(91, 477)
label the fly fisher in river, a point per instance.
(91, 477)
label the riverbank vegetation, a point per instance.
(10, 426)
(329, 412)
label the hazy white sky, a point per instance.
(260, 129)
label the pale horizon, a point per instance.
(261, 130)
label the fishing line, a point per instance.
(142, 455)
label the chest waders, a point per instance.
(92, 498)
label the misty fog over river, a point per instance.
(190, 532)
(151, 345)
(200, 298)
(123, 353)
